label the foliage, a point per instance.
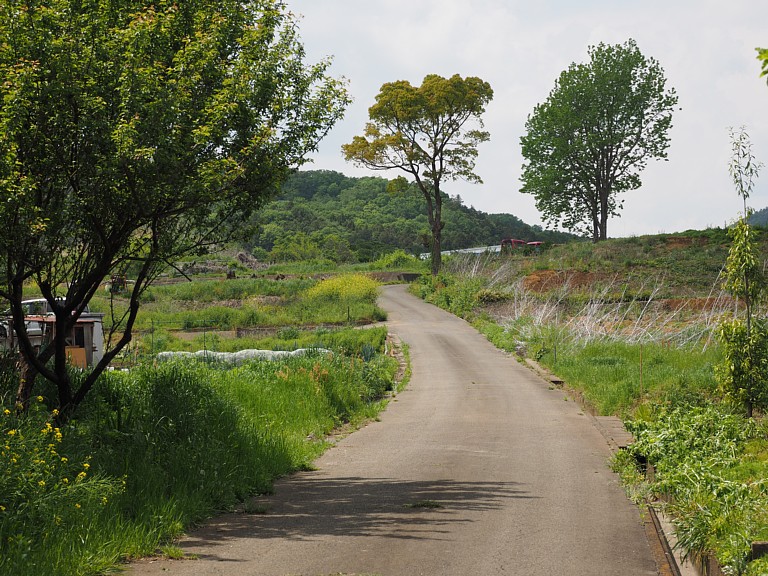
(50, 498)
(167, 446)
(597, 130)
(702, 464)
(426, 132)
(744, 373)
(457, 296)
(136, 132)
(762, 55)
(397, 260)
(345, 288)
(359, 215)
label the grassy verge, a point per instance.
(161, 447)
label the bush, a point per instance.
(345, 288)
(398, 259)
(716, 491)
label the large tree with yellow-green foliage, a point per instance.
(431, 132)
(136, 131)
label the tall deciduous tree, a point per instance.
(135, 131)
(597, 130)
(431, 132)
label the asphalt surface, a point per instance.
(477, 468)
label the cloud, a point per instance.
(520, 47)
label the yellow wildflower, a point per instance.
(12, 432)
(7, 412)
(40, 398)
(77, 505)
(41, 483)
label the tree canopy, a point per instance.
(431, 132)
(132, 132)
(762, 55)
(589, 141)
(345, 219)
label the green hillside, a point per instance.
(325, 214)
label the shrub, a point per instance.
(345, 288)
(398, 259)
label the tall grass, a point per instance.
(619, 344)
(160, 447)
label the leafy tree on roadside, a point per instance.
(134, 132)
(597, 130)
(744, 372)
(762, 55)
(431, 132)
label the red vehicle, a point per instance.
(511, 243)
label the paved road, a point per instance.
(478, 468)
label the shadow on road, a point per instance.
(310, 507)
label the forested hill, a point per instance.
(325, 214)
(759, 218)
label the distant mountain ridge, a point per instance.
(325, 214)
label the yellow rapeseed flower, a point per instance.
(12, 432)
(81, 476)
(41, 483)
(40, 398)
(77, 505)
(7, 412)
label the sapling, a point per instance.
(743, 374)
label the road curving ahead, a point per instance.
(479, 467)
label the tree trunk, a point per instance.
(437, 231)
(437, 255)
(27, 375)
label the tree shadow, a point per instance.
(309, 506)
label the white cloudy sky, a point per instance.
(706, 47)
